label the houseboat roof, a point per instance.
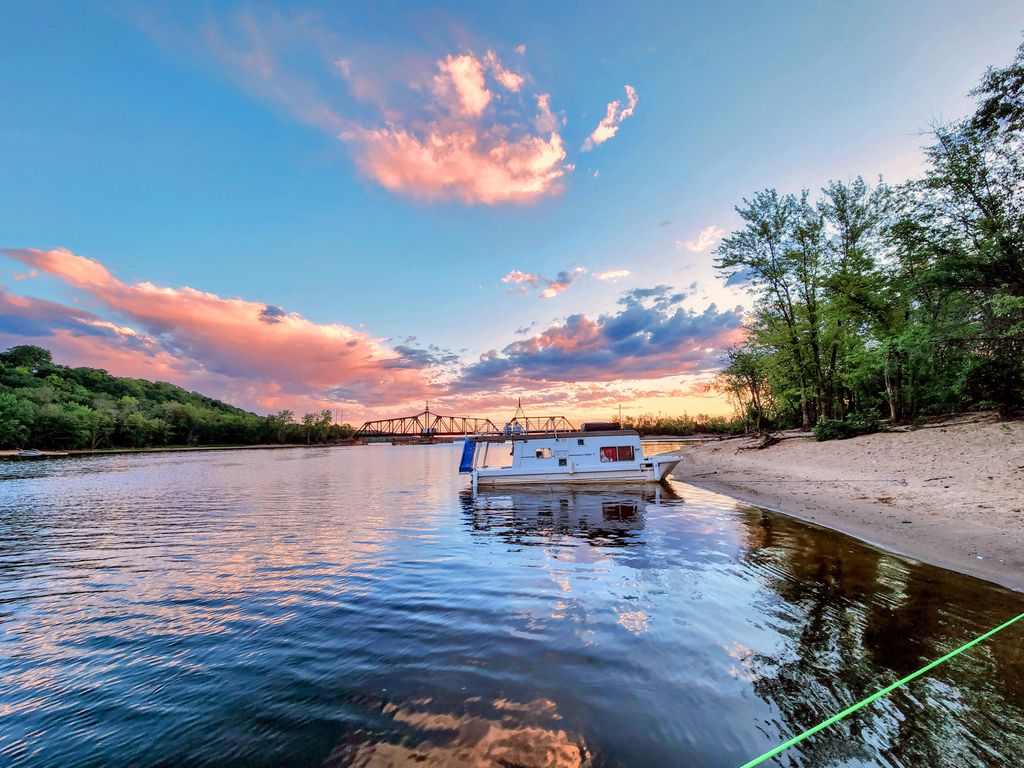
(522, 436)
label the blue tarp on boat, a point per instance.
(466, 464)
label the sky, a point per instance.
(312, 205)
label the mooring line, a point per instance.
(877, 695)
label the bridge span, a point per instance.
(429, 424)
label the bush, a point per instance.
(840, 429)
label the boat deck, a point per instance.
(503, 438)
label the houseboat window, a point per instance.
(543, 453)
(617, 453)
(563, 462)
(579, 441)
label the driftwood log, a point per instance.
(767, 439)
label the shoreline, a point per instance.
(13, 453)
(951, 495)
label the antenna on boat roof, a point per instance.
(519, 410)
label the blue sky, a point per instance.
(174, 145)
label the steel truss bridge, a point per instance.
(429, 424)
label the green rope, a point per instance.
(873, 697)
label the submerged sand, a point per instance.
(949, 494)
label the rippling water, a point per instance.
(359, 607)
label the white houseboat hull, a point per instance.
(649, 475)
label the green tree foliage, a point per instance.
(17, 415)
(890, 301)
(745, 380)
(682, 426)
(46, 405)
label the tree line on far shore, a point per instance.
(895, 302)
(682, 426)
(45, 405)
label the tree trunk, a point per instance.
(828, 386)
(894, 383)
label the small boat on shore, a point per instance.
(32, 453)
(591, 455)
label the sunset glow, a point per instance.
(318, 209)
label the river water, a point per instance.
(357, 606)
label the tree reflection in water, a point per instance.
(854, 620)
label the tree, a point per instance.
(26, 356)
(971, 206)
(63, 407)
(323, 425)
(854, 215)
(910, 299)
(278, 423)
(764, 253)
(16, 420)
(309, 421)
(745, 380)
(1000, 106)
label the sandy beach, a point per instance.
(949, 494)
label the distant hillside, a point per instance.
(46, 405)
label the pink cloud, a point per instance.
(81, 338)
(263, 357)
(235, 339)
(545, 288)
(462, 76)
(443, 128)
(706, 239)
(612, 274)
(465, 151)
(461, 84)
(545, 121)
(475, 166)
(436, 127)
(609, 124)
(508, 79)
(648, 338)
(518, 278)
(561, 283)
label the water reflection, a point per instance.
(360, 607)
(611, 516)
(474, 733)
(851, 620)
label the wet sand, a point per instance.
(950, 494)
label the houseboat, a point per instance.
(601, 455)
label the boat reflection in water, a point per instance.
(611, 516)
(509, 726)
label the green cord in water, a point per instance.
(877, 695)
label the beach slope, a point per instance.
(949, 494)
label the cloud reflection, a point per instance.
(504, 733)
